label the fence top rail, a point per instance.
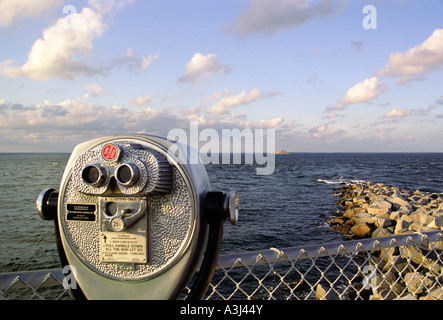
(27, 279)
(273, 255)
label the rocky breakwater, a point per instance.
(377, 210)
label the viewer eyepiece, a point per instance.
(94, 175)
(128, 174)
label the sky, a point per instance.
(327, 76)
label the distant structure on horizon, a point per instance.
(283, 152)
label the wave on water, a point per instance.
(342, 181)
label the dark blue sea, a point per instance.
(286, 209)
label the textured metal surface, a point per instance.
(150, 182)
(171, 215)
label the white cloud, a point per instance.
(63, 125)
(232, 101)
(363, 91)
(15, 10)
(147, 61)
(94, 90)
(57, 53)
(141, 101)
(323, 134)
(271, 16)
(73, 117)
(201, 67)
(383, 133)
(332, 115)
(418, 60)
(133, 61)
(264, 124)
(319, 131)
(189, 114)
(396, 114)
(64, 48)
(94, 87)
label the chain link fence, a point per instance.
(398, 267)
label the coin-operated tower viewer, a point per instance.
(135, 219)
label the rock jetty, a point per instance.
(376, 210)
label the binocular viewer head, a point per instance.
(134, 221)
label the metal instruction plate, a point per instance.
(122, 247)
(81, 212)
(130, 245)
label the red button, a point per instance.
(110, 152)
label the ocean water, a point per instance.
(288, 208)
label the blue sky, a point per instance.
(74, 70)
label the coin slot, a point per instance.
(111, 209)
